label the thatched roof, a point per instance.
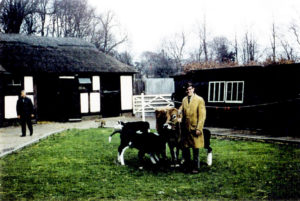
(34, 54)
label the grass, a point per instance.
(80, 165)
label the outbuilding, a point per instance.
(254, 97)
(66, 78)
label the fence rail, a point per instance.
(151, 102)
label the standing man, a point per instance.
(193, 117)
(25, 113)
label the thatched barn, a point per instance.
(66, 78)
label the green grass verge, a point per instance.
(80, 165)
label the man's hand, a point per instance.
(32, 115)
(19, 116)
(198, 133)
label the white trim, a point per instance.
(231, 98)
(15, 84)
(126, 92)
(225, 98)
(10, 105)
(84, 102)
(95, 102)
(96, 83)
(66, 77)
(212, 97)
(28, 84)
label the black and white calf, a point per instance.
(137, 135)
(207, 136)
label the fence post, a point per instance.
(143, 107)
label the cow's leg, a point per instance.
(141, 159)
(209, 158)
(173, 157)
(207, 136)
(164, 153)
(152, 159)
(121, 154)
(177, 157)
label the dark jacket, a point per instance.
(24, 107)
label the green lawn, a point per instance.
(80, 165)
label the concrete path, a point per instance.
(10, 140)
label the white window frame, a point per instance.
(96, 83)
(126, 92)
(84, 103)
(10, 103)
(213, 99)
(95, 105)
(15, 83)
(28, 84)
(226, 88)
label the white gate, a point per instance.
(151, 102)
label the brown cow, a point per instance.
(168, 121)
(168, 126)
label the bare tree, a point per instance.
(43, 10)
(30, 24)
(103, 36)
(288, 50)
(175, 47)
(202, 33)
(14, 12)
(273, 43)
(125, 57)
(196, 54)
(295, 30)
(157, 64)
(249, 48)
(236, 50)
(70, 18)
(221, 49)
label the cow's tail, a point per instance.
(110, 137)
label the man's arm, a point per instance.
(31, 107)
(18, 109)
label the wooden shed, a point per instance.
(255, 97)
(66, 78)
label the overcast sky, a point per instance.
(147, 22)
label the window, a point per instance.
(84, 80)
(10, 103)
(126, 92)
(96, 83)
(226, 91)
(14, 82)
(28, 84)
(216, 92)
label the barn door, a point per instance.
(68, 99)
(110, 96)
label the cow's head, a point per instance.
(173, 117)
(119, 125)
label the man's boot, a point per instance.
(196, 161)
(187, 159)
